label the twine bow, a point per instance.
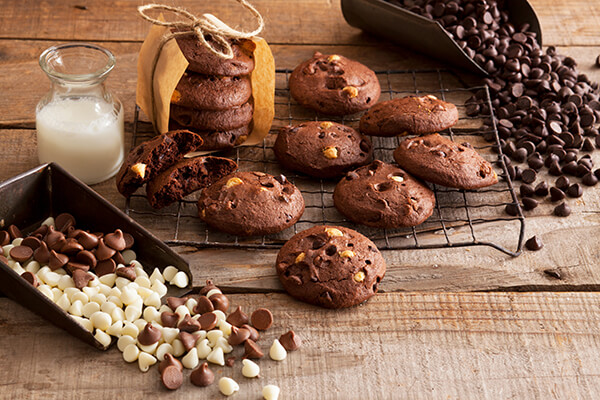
(207, 24)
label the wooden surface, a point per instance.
(436, 342)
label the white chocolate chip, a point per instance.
(128, 255)
(216, 356)
(359, 276)
(143, 282)
(65, 282)
(148, 348)
(250, 368)
(180, 280)
(46, 291)
(144, 293)
(32, 266)
(333, 57)
(125, 341)
(203, 348)
(178, 348)
(63, 302)
(159, 288)
(84, 322)
(326, 124)
(104, 289)
(224, 344)
(132, 313)
(129, 329)
(80, 296)
(163, 349)
(213, 291)
(277, 352)
(220, 315)
(121, 282)
(350, 91)
(191, 304)
(151, 314)
(108, 307)
(76, 308)
(224, 327)
(131, 353)
(129, 295)
(169, 273)
(169, 334)
(51, 278)
(190, 361)
(103, 338)
(199, 335)
(182, 311)
(48, 221)
(397, 178)
(347, 254)
(233, 182)
(432, 97)
(117, 314)
(271, 392)
(98, 298)
(157, 276)
(101, 320)
(154, 299)
(333, 232)
(228, 386)
(139, 169)
(140, 324)
(145, 361)
(213, 336)
(115, 329)
(299, 258)
(330, 152)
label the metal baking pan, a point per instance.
(48, 190)
(423, 34)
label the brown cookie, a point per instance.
(383, 196)
(185, 177)
(322, 149)
(416, 115)
(251, 203)
(334, 85)
(203, 61)
(330, 266)
(148, 159)
(218, 140)
(210, 92)
(439, 160)
(208, 120)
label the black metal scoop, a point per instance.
(48, 190)
(423, 34)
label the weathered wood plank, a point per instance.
(411, 345)
(572, 23)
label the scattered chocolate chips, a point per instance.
(589, 179)
(575, 190)
(174, 302)
(562, 183)
(542, 189)
(254, 335)
(252, 350)
(562, 210)
(171, 377)
(290, 341)
(188, 340)
(220, 301)
(529, 175)
(556, 194)
(262, 319)
(534, 243)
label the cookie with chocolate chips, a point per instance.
(322, 149)
(210, 92)
(439, 160)
(330, 266)
(211, 120)
(215, 140)
(251, 203)
(334, 85)
(150, 158)
(185, 177)
(383, 196)
(204, 61)
(416, 115)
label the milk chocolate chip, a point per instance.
(31, 278)
(188, 324)
(238, 336)
(202, 376)
(262, 319)
(149, 335)
(171, 377)
(116, 240)
(252, 350)
(21, 253)
(290, 341)
(237, 318)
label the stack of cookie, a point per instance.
(214, 96)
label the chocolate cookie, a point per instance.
(218, 140)
(334, 85)
(439, 160)
(210, 92)
(417, 115)
(330, 266)
(208, 120)
(203, 61)
(383, 196)
(148, 159)
(322, 149)
(251, 203)
(185, 177)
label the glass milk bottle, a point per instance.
(79, 122)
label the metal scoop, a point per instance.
(423, 34)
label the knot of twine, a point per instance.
(207, 24)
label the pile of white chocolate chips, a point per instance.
(127, 304)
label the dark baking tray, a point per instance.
(48, 190)
(423, 34)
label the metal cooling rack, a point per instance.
(461, 217)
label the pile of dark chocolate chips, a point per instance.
(546, 112)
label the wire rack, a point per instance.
(461, 217)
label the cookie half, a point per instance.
(334, 85)
(322, 149)
(383, 196)
(416, 115)
(208, 120)
(251, 203)
(330, 266)
(148, 159)
(203, 61)
(185, 177)
(439, 160)
(210, 92)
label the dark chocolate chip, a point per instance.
(556, 194)
(529, 203)
(562, 210)
(528, 176)
(534, 243)
(575, 190)
(541, 189)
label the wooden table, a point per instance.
(453, 323)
